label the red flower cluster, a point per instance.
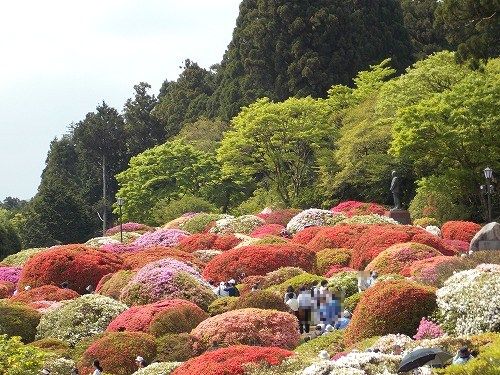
(78, 265)
(395, 258)
(6, 289)
(281, 217)
(207, 241)
(305, 235)
(351, 208)
(340, 236)
(182, 316)
(45, 293)
(460, 247)
(435, 242)
(152, 254)
(376, 239)
(267, 230)
(390, 307)
(427, 270)
(117, 352)
(257, 260)
(459, 230)
(232, 360)
(336, 269)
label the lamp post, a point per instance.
(488, 174)
(120, 202)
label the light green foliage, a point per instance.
(351, 302)
(222, 305)
(344, 283)
(200, 222)
(166, 210)
(21, 257)
(159, 368)
(175, 347)
(19, 359)
(306, 279)
(260, 199)
(331, 342)
(9, 238)
(279, 144)
(17, 319)
(167, 171)
(204, 134)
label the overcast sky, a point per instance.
(60, 59)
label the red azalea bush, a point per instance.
(167, 316)
(395, 258)
(351, 208)
(6, 289)
(328, 258)
(281, 217)
(267, 230)
(249, 327)
(434, 241)
(152, 254)
(305, 235)
(376, 239)
(232, 360)
(339, 236)
(460, 247)
(459, 230)
(257, 260)
(337, 269)
(427, 270)
(111, 285)
(205, 241)
(390, 307)
(45, 293)
(117, 352)
(79, 265)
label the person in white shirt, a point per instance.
(98, 369)
(363, 283)
(221, 290)
(305, 306)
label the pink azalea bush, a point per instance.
(351, 208)
(120, 248)
(161, 237)
(128, 227)
(167, 278)
(428, 330)
(248, 326)
(10, 274)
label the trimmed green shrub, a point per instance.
(10, 242)
(200, 223)
(57, 346)
(262, 299)
(280, 275)
(351, 302)
(19, 359)
(426, 221)
(327, 258)
(306, 279)
(222, 305)
(21, 257)
(178, 320)
(166, 209)
(345, 283)
(18, 320)
(112, 284)
(175, 347)
(331, 342)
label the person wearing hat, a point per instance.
(344, 320)
(329, 328)
(221, 290)
(462, 356)
(140, 362)
(231, 290)
(45, 371)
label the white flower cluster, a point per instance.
(386, 343)
(79, 318)
(469, 301)
(432, 229)
(309, 218)
(357, 363)
(99, 241)
(60, 366)
(158, 368)
(369, 219)
(242, 224)
(206, 255)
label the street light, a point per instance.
(120, 202)
(488, 174)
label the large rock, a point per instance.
(488, 238)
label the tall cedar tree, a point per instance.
(288, 48)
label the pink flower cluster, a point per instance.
(428, 330)
(11, 274)
(351, 208)
(161, 237)
(128, 227)
(120, 248)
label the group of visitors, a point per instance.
(317, 305)
(227, 289)
(366, 280)
(98, 370)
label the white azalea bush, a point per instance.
(79, 318)
(369, 219)
(242, 224)
(386, 343)
(469, 301)
(60, 366)
(158, 368)
(313, 217)
(100, 241)
(206, 255)
(432, 229)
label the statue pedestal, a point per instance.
(401, 216)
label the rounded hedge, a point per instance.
(304, 279)
(427, 271)
(45, 293)
(232, 360)
(78, 265)
(344, 283)
(262, 299)
(339, 236)
(20, 258)
(10, 274)
(305, 235)
(112, 284)
(351, 208)
(175, 347)
(18, 320)
(141, 258)
(6, 289)
(168, 316)
(79, 318)
(267, 230)
(257, 260)
(204, 241)
(279, 276)
(281, 217)
(395, 258)
(222, 305)
(201, 222)
(248, 326)
(390, 307)
(327, 258)
(117, 351)
(459, 230)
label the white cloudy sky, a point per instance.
(59, 59)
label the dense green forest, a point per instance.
(313, 102)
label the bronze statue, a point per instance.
(396, 191)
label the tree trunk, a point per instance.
(104, 213)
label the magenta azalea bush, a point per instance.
(161, 237)
(248, 326)
(128, 227)
(428, 330)
(120, 248)
(10, 274)
(167, 278)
